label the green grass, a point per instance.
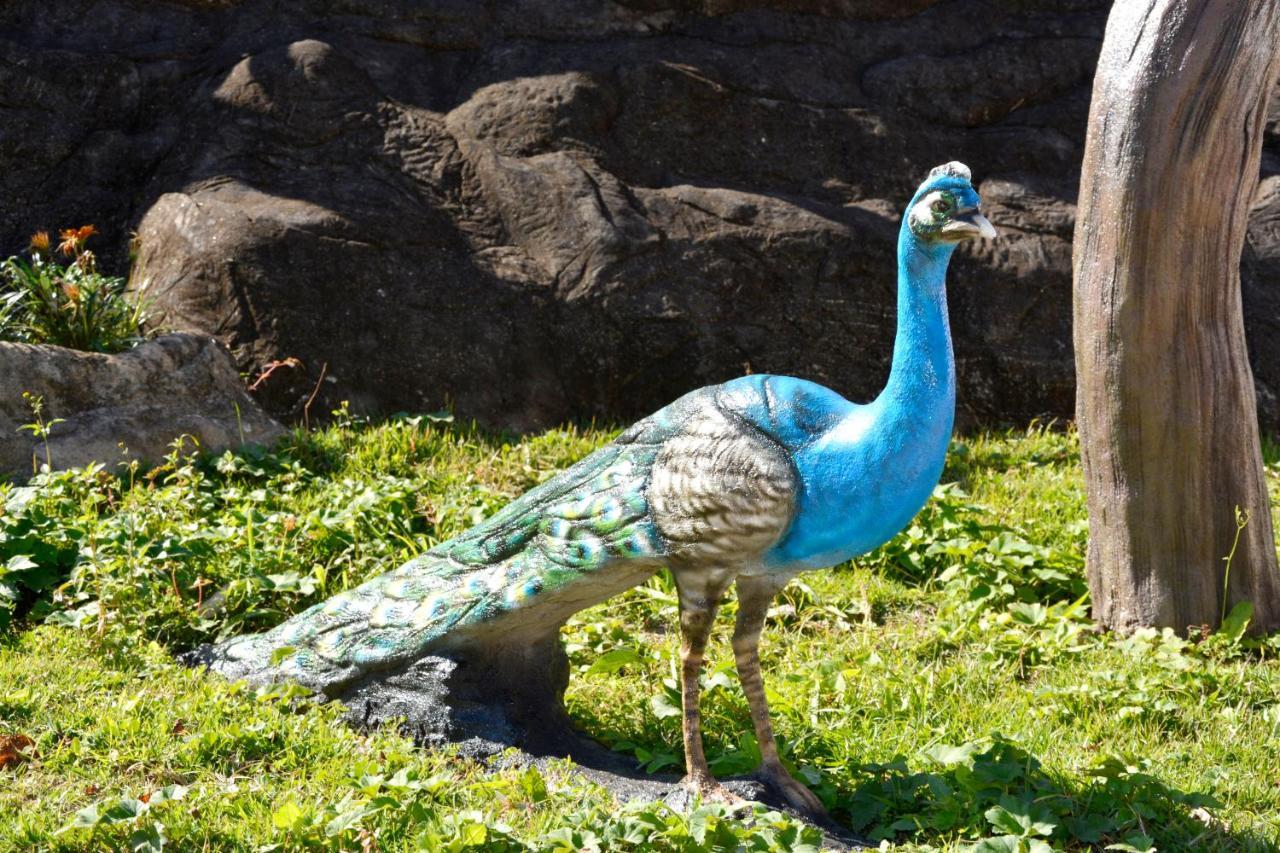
(946, 692)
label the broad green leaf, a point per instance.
(125, 810)
(348, 819)
(281, 654)
(1005, 821)
(534, 786)
(1090, 827)
(1134, 843)
(149, 839)
(287, 816)
(19, 563)
(473, 834)
(1029, 614)
(947, 755)
(86, 817)
(614, 660)
(1237, 621)
(168, 792)
(663, 707)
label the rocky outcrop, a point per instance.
(115, 408)
(552, 209)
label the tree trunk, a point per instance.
(1165, 397)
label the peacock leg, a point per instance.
(700, 593)
(754, 596)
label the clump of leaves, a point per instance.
(201, 547)
(655, 827)
(971, 624)
(73, 305)
(953, 542)
(995, 793)
(132, 812)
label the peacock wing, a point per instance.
(722, 491)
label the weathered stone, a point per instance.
(553, 209)
(115, 408)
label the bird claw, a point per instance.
(797, 795)
(710, 791)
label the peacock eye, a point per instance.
(941, 205)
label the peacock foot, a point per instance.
(707, 789)
(797, 795)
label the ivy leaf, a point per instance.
(168, 792)
(1002, 819)
(663, 707)
(948, 755)
(1135, 843)
(614, 660)
(287, 817)
(1237, 621)
(473, 833)
(149, 839)
(19, 563)
(83, 819)
(125, 810)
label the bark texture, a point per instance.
(1165, 395)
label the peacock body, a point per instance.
(754, 480)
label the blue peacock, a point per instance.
(749, 482)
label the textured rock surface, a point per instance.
(545, 209)
(143, 399)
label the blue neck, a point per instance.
(865, 470)
(922, 380)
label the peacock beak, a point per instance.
(967, 225)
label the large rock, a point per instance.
(547, 209)
(115, 408)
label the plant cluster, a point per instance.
(154, 756)
(70, 304)
(947, 692)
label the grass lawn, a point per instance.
(946, 692)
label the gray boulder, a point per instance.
(133, 405)
(552, 209)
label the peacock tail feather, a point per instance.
(589, 517)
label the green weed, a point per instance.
(71, 305)
(945, 693)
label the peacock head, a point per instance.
(945, 208)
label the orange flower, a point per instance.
(73, 239)
(39, 242)
(71, 290)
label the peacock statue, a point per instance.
(750, 482)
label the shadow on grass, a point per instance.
(627, 780)
(995, 789)
(995, 792)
